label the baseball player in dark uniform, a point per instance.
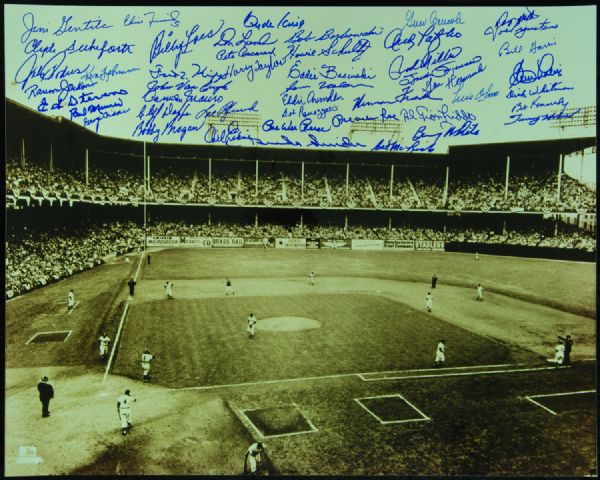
(46, 394)
(433, 281)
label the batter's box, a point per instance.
(43, 337)
(565, 402)
(279, 421)
(392, 409)
(58, 308)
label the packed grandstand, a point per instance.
(75, 199)
(531, 193)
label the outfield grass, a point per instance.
(570, 286)
(204, 341)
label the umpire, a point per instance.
(433, 281)
(46, 394)
(132, 283)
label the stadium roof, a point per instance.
(23, 121)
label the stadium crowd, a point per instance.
(38, 256)
(482, 193)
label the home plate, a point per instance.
(287, 324)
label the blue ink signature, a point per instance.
(30, 27)
(360, 102)
(87, 25)
(64, 88)
(533, 120)
(482, 95)
(344, 142)
(545, 68)
(517, 26)
(172, 18)
(181, 47)
(52, 69)
(538, 90)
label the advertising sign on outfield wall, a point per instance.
(399, 244)
(333, 243)
(435, 245)
(197, 242)
(162, 241)
(227, 242)
(256, 242)
(312, 243)
(359, 244)
(290, 243)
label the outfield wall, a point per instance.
(294, 243)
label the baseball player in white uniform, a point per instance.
(104, 342)
(146, 359)
(429, 302)
(253, 458)
(479, 293)
(311, 279)
(440, 353)
(228, 287)
(251, 324)
(70, 301)
(559, 355)
(124, 404)
(169, 290)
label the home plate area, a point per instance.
(279, 421)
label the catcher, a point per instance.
(253, 459)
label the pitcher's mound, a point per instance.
(287, 324)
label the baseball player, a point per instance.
(228, 287)
(146, 359)
(104, 342)
(559, 355)
(169, 289)
(568, 346)
(479, 293)
(70, 301)
(476, 256)
(311, 279)
(251, 323)
(429, 302)
(440, 353)
(265, 242)
(253, 459)
(124, 410)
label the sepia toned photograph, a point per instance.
(299, 241)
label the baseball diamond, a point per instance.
(352, 337)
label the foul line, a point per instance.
(485, 372)
(121, 323)
(540, 405)
(342, 375)
(438, 369)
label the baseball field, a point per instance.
(339, 378)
